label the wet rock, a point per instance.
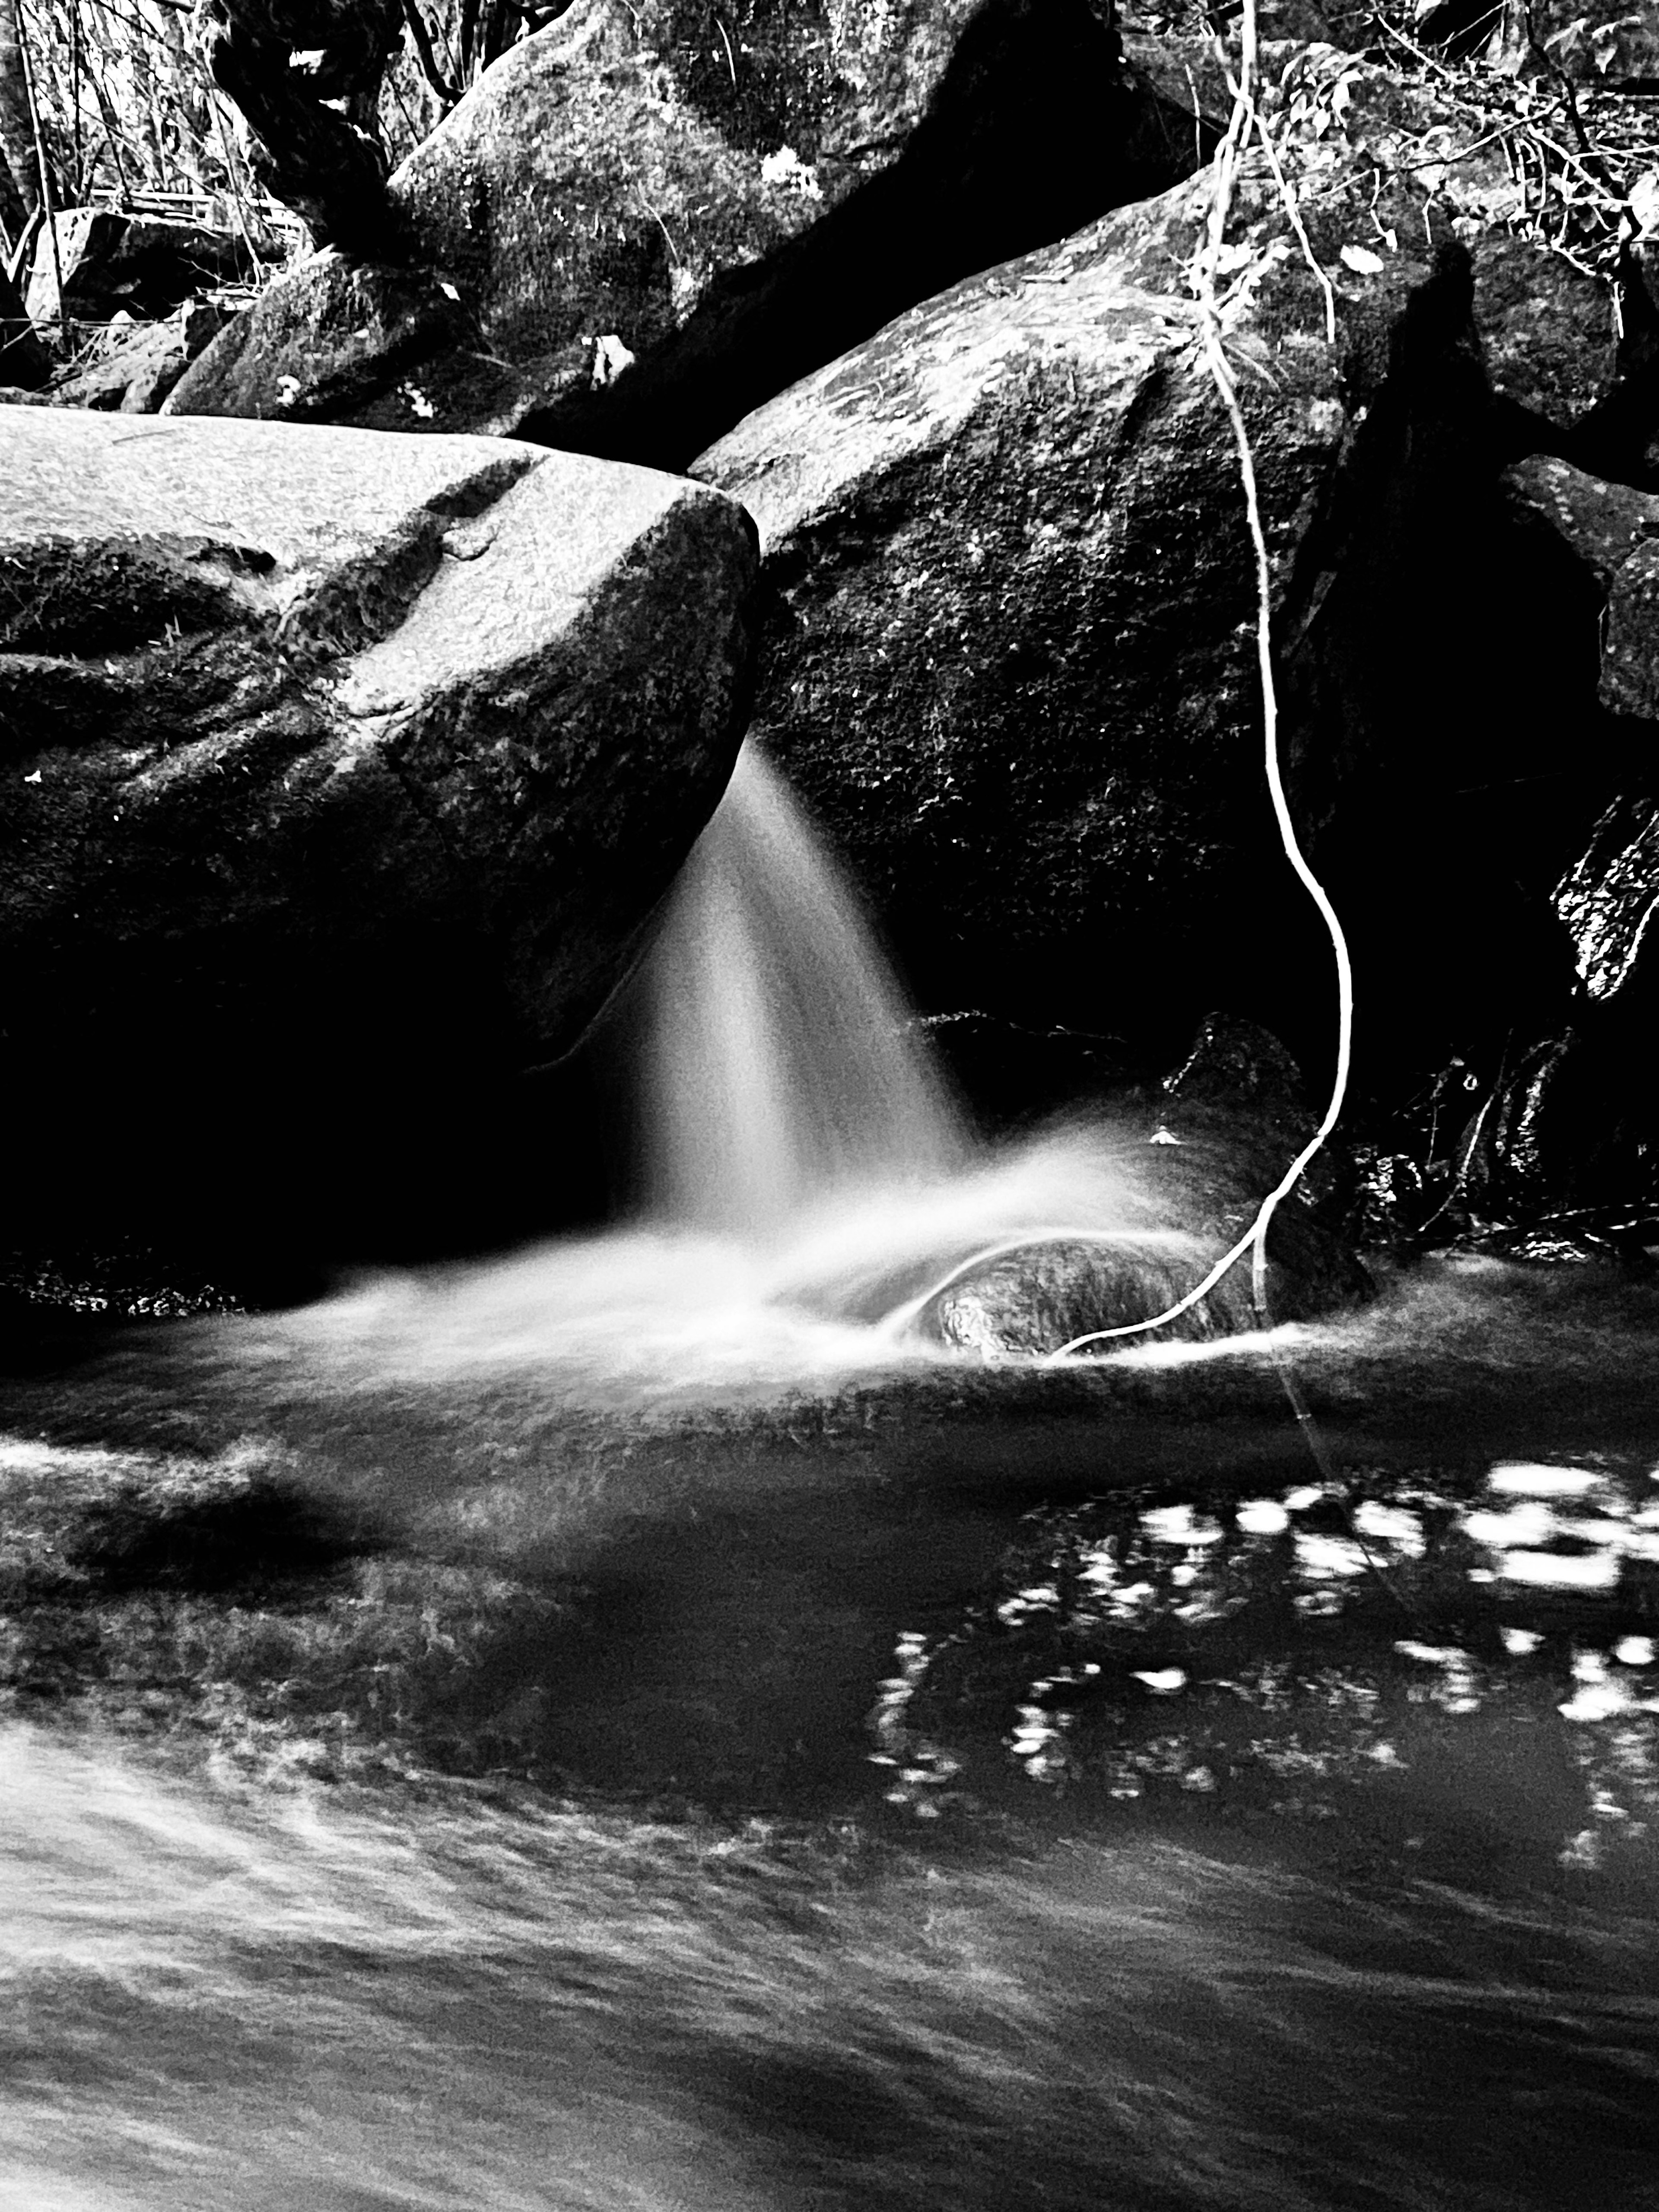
(1608, 899)
(341, 773)
(1210, 1144)
(1587, 1131)
(143, 266)
(1554, 1152)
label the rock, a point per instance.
(1547, 330)
(142, 264)
(1572, 1141)
(136, 366)
(1611, 532)
(1007, 652)
(565, 194)
(25, 364)
(1034, 127)
(337, 340)
(598, 200)
(342, 773)
(1608, 899)
(1201, 1157)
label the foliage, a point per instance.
(130, 117)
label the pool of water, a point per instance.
(443, 1774)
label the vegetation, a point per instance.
(148, 103)
(116, 102)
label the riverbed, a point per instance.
(446, 1772)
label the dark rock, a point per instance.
(1612, 531)
(342, 773)
(337, 340)
(566, 196)
(25, 364)
(1552, 1152)
(1608, 899)
(1203, 1157)
(1546, 329)
(1034, 128)
(136, 366)
(641, 261)
(1008, 653)
(141, 265)
(1580, 1131)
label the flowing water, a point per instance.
(625, 1727)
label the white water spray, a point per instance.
(804, 1171)
(780, 1071)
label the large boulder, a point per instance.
(1034, 126)
(1008, 649)
(342, 772)
(141, 265)
(1563, 1125)
(599, 199)
(567, 193)
(335, 340)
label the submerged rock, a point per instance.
(342, 772)
(1217, 1138)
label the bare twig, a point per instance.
(429, 60)
(48, 211)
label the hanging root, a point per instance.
(1245, 120)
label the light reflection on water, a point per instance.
(1285, 1656)
(1334, 1801)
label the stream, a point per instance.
(926, 1785)
(632, 1724)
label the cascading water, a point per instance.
(779, 1070)
(804, 1172)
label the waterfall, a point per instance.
(803, 1173)
(779, 1068)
